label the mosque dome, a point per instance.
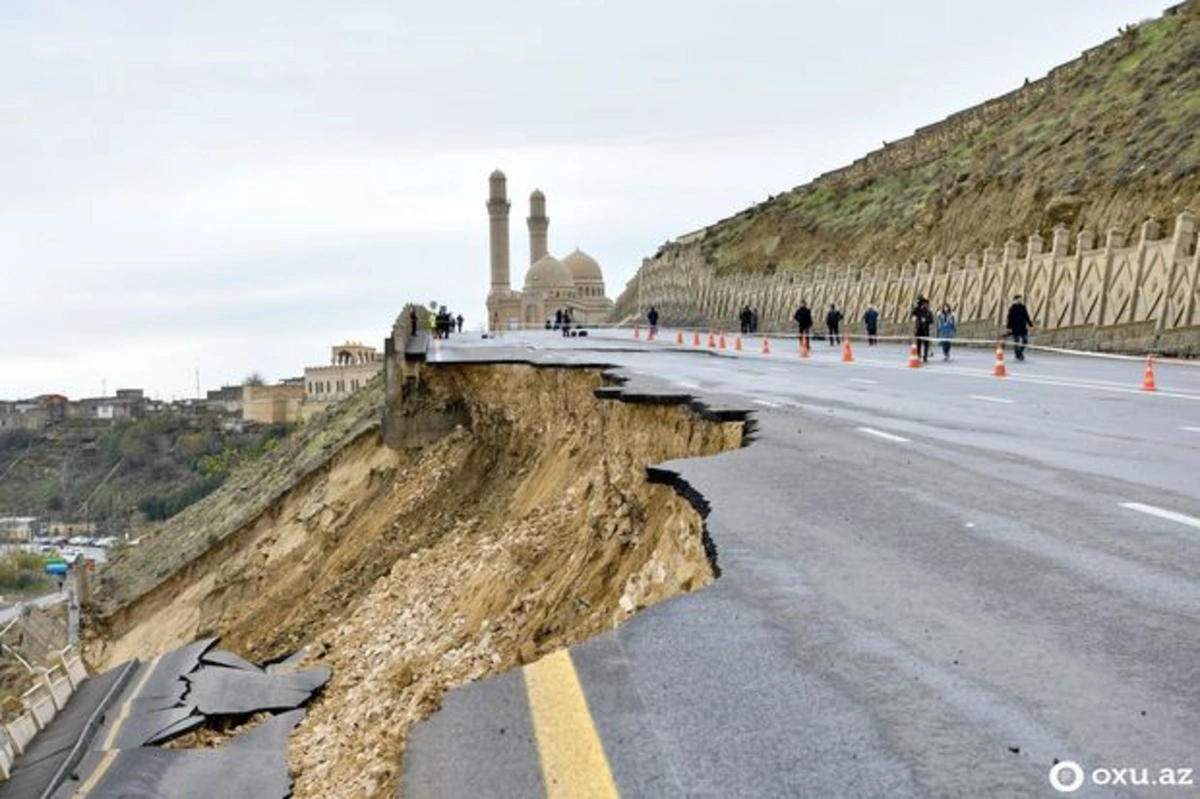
(549, 274)
(583, 267)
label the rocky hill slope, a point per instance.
(1105, 141)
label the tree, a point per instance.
(254, 379)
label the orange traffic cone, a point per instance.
(636, 333)
(695, 338)
(766, 348)
(914, 357)
(712, 341)
(999, 370)
(678, 336)
(737, 344)
(1148, 382)
(722, 340)
(650, 334)
(847, 353)
(804, 351)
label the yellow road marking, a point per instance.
(125, 708)
(572, 757)
(111, 754)
(98, 774)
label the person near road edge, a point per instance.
(652, 318)
(833, 320)
(922, 318)
(871, 320)
(947, 327)
(744, 319)
(460, 321)
(804, 320)
(1018, 324)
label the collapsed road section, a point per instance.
(525, 519)
(192, 722)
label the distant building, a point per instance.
(273, 404)
(576, 283)
(352, 365)
(33, 414)
(67, 529)
(20, 528)
(226, 399)
(128, 403)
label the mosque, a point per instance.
(576, 282)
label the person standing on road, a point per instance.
(833, 320)
(652, 318)
(947, 327)
(1018, 324)
(871, 320)
(804, 320)
(459, 320)
(922, 318)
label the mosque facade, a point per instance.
(575, 282)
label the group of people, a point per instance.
(925, 324)
(803, 318)
(444, 323)
(563, 319)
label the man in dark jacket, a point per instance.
(922, 316)
(833, 321)
(871, 320)
(804, 320)
(652, 318)
(1018, 324)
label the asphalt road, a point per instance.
(935, 582)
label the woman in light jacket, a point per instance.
(947, 326)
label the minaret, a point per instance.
(497, 206)
(539, 223)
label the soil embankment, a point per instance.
(412, 571)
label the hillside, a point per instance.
(1104, 141)
(119, 474)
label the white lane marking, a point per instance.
(864, 380)
(686, 384)
(768, 404)
(986, 398)
(1191, 429)
(873, 432)
(1162, 513)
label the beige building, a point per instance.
(351, 366)
(576, 282)
(272, 404)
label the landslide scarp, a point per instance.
(532, 526)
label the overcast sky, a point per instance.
(233, 187)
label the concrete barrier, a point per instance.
(60, 687)
(40, 705)
(21, 731)
(8, 753)
(73, 664)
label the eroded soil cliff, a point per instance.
(409, 572)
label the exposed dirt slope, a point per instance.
(243, 497)
(410, 572)
(1104, 144)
